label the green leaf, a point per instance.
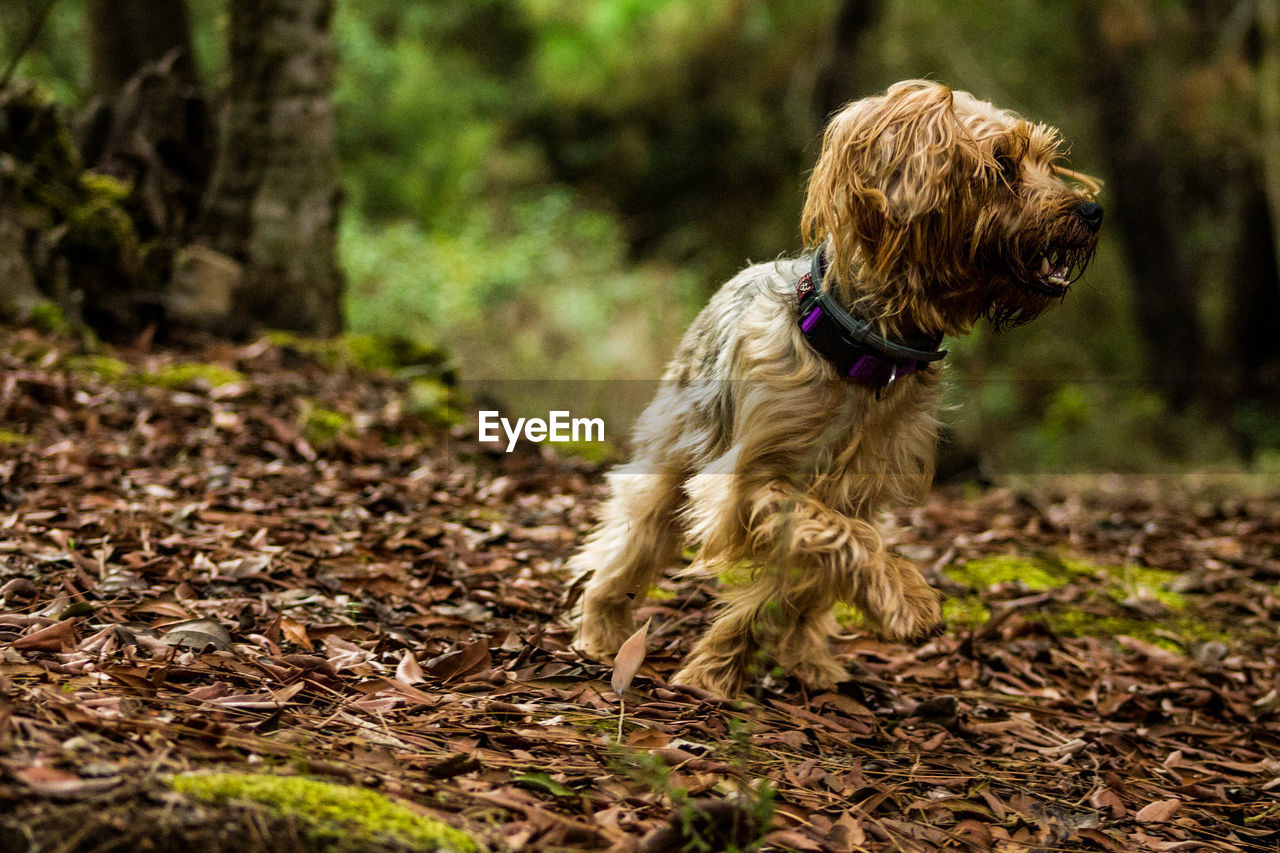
(543, 782)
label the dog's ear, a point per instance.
(886, 162)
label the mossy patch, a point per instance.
(12, 438)
(375, 352)
(99, 223)
(370, 353)
(321, 426)
(1127, 583)
(184, 376)
(738, 574)
(848, 616)
(48, 317)
(1178, 634)
(1035, 574)
(595, 452)
(334, 813)
(1128, 589)
(966, 611)
(105, 367)
(434, 400)
(1123, 583)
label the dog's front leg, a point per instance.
(809, 556)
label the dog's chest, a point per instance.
(878, 451)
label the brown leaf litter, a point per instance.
(190, 579)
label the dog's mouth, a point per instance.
(1055, 271)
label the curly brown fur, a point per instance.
(937, 210)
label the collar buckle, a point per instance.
(888, 383)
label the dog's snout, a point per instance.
(1091, 214)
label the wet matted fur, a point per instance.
(936, 210)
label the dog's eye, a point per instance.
(1008, 167)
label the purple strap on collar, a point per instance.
(869, 369)
(873, 370)
(812, 320)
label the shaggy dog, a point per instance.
(803, 399)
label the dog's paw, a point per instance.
(819, 672)
(600, 641)
(913, 612)
(719, 679)
(602, 624)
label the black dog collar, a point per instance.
(859, 352)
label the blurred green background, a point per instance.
(552, 189)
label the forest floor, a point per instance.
(229, 570)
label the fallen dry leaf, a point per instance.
(627, 662)
(408, 670)
(1158, 812)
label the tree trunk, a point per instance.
(1145, 202)
(1255, 303)
(1269, 109)
(837, 82)
(125, 35)
(274, 198)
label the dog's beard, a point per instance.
(1033, 280)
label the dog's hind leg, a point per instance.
(778, 614)
(636, 539)
(804, 649)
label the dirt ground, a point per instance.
(259, 560)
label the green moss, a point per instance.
(333, 812)
(848, 616)
(1175, 635)
(11, 438)
(103, 366)
(1139, 582)
(1035, 574)
(657, 593)
(101, 225)
(375, 352)
(187, 375)
(1107, 586)
(433, 399)
(966, 611)
(48, 318)
(322, 426)
(104, 187)
(738, 574)
(369, 352)
(596, 452)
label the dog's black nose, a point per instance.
(1091, 213)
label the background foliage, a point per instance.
(551, 189)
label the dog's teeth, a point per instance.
(1044, 265)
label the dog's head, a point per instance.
(944, 209)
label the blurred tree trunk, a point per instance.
(148, 126)
(126, 35)
(1255, 300)
(1255, 263)
(836, 82)
(1144, 200)
(274, 198)
(1269, 109)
